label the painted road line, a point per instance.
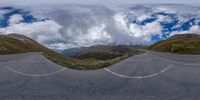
(34, 75)
(139, 77)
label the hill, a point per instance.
(181, 44)
(101, 52)
(14, 43)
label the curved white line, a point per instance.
(139, 77)
(33, 75)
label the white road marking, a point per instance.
(139, 77)
(34, 75)
(25, 74)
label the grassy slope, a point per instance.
(181, 44)
(101, 52)
(11, 45)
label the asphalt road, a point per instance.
(149, 76)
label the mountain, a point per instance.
(181, 44)
(73, 51)
(101, 52)
(15, 43)
(78, 26)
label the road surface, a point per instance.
(148, 76)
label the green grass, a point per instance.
(89, 63)
(9, 45)
(180, 44)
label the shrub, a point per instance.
(177, 48)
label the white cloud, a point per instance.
(145, 32)
(142, 32)
(73, 26)
(59, 46)
(120, 20)
(95, 35)
(166, 19)
(194, 30)
(143, 17)
(42, 32)
(15, 19)
(2, 12)
(164, 9)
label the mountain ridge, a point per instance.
(102, 52)
(15, 44)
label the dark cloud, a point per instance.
(69, 26)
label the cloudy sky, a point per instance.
(67, 26)
(96, 1)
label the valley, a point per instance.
(14, 44)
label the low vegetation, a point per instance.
(14, 43)
(101, 52)
(181, 44)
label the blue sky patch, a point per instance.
(26, 15)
